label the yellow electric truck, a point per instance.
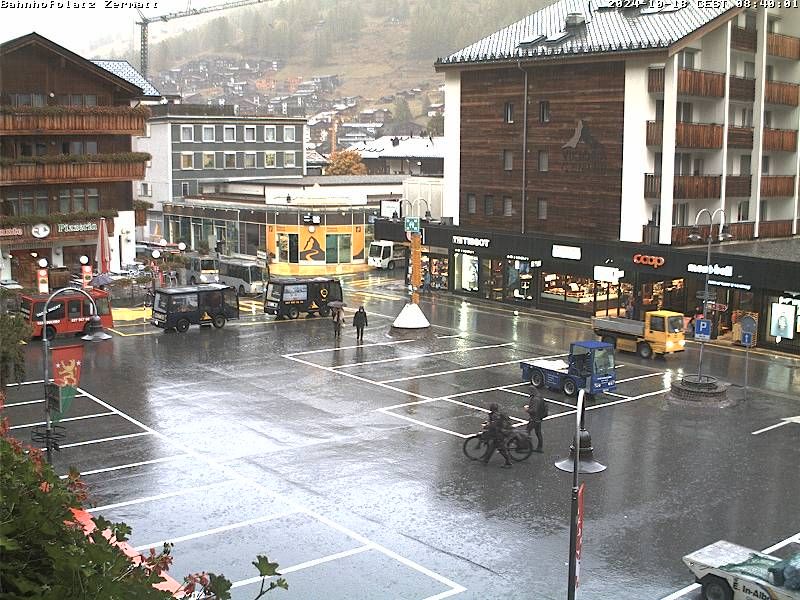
(661, 332)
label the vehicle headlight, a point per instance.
(203, 278)
(669, 344)
(682, 342)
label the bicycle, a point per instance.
(518, 444)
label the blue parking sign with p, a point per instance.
(702, 329)
(747, 339)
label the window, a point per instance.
(749, 70)
(750, 21)
(26, 206)
(769, 73)
(229, 133)
(659, 110)
(767, 118)
(288, 159)
(64, 204)
(658, 163)
(472, 204)
(683, 163)
(541, 209)
(747, 117)
(699, 167)
(249, 160)
(187, 133)
(771, 25)
(43, 203)
(78, 200)
(208, 160)
(184, 188)
(508, 160)
(250, 133)
(92, 200)
(187, 160)
(269, 133)
(680, 214)
(683, 112)
(743, 211)
(745, 165)
(655, 215)
(657, 323)
(508, 112)
(230, 160)
(90, 146)
(488, 205)
(544, 111)
(269, 159)
(762, 211)
(765, 165)
(686, 59)
(289, 133)
(144, 189)
(544, 160)
(208, 133)
(508, 207)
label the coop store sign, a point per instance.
(11, 231)
(711, 270)
(459, 240)
(76, 227)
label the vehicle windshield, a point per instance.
(160, 302)
(25, 308)
(274, 292)
(103, 306)
(254, 274)
(208, 264)
(603, 361)
(375, 250)
(675, 324)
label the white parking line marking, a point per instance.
(480, 408)
(447, 337)
(546, 399)
(129, 465)
(615, 395)
(640, 377)
(25, 383)
(489, 366)
(413, 356)
(307, 564)
(690, 588)
(404, 404)
(424, 424)
(490, 389)
(102, 440)
(457, 589)
(181, 492)
(222, 529)
(781, 424)
(94, 416)
(348, 348)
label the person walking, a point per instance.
(537, 411)
(359, 322)
(338, 316)
(497, 432)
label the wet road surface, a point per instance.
(343, 462)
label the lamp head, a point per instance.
(694, 234)
(725, 233)
(95, 331)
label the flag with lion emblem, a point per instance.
(67, 362)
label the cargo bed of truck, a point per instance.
(618, 325)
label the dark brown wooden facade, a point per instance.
(581, 134)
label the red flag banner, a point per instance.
(67, 365)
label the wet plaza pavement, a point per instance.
(343, 462)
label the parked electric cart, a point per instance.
(179, 307)
(290, 296)
(589, 367)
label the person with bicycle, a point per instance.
(497, 431)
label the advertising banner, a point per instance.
(782, 322)
(43, 281)
(66, 367)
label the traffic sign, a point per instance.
(748, 324)
(702, 296)
(718, 306)
(412, 224)
(52, 394)
(702, 329)
(747, 339)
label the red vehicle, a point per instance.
(67, 313)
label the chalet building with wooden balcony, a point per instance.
(66, 160)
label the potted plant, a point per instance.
(140, 208)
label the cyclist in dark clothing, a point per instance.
(497, 431)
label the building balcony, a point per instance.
(706, 136)
(97, 168)
(738, 186)
(744, 230)
(780, 140)
(57, 120)
(743, 39)
(690, 83)
(740, 137)
(781, 92)
(685, 187)
(777, 185)
(783, 46)
(742, 88)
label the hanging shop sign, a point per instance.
(40, 230)
(76, 227)
(535, 264)
(566, 252)
(731, 284)
(11, 231)
(715, 269)
(652, 261)
(463, 251)
(460, 240)
(608, 274)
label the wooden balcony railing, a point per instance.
(738, 186)
(655, 131)
(743, 39)
(785, 46)
(652, 185)
(117, 121)
(686, 187)
(780, 140)
(655, 81)
(701, 83)
(743, 89)
(744, 230)
(680, 234)
(28, 173)
(777, 185)
(773, 229)
(780, 92)
(687, 135)
(740, 137)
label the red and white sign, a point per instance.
(652, 261)
(86, 274)
(579, 536)
(67, 365)
(43, 281)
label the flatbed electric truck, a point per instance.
(661, 332)
(589, 367)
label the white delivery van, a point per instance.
(387, 255)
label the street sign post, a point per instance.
(412, 225)
(53, 396)
(702, 329)
(749, 327)
(702, 295)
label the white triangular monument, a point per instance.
(411, 317)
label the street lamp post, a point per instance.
(95, 334)
(696, 235)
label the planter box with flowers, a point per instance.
(140, 208)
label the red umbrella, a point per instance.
(103, 255)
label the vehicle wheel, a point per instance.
(293, 313)
(519, 447)
(537, 378)
(568, 387)
(474, 447)
(390, 266)
(192, 281)
(644, 350)
(607, 339)
(241, 290)
(50, 333)
(325, 311)
(219, 321)
(182, 326)
(716, 588)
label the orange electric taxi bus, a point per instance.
(69, 312)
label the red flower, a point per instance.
(45, 487)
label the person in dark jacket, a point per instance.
(537, 411)
(359, 322)
(497, 432)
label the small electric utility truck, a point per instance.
(661, 332)
(589, 367)
(726, 571)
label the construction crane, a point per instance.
(189, 12)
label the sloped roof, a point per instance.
(607, 29)
(407, 147)
(125, 70)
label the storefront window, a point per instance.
(519, 281)
(782, 327)
(493, 274)
(577, 293)
(434, 272)
(338, 249)
(466, 273)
